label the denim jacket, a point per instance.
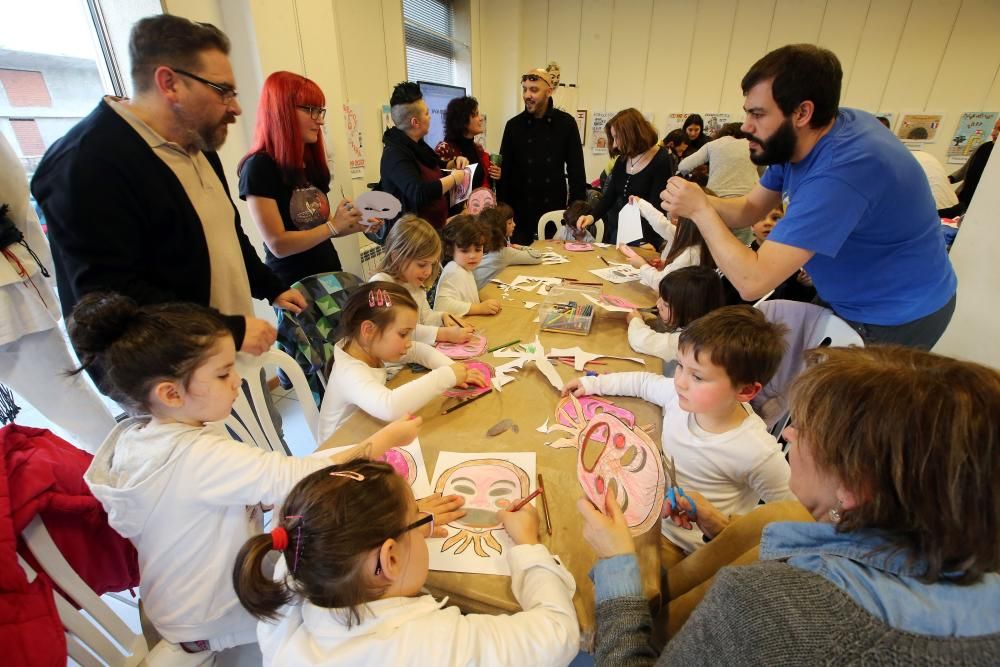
(886, 582)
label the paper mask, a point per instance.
(481, 198)
(375, 204)
(615, 457)
(458, 351)
(472, 390)
(573, 246)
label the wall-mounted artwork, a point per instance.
(489, 482)
(613, 457)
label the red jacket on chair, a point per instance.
(42, 475)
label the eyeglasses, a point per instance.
(428, 518)
(316, 113)
(225, 91)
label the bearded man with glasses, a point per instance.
(135, 195)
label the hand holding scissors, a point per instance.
(678, 505)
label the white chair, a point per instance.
(809, 326)
(250, 422)
(555, 217)
(101, 637)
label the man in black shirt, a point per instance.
(541, 152)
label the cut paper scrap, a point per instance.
(533, 351)
(472, 390)
(543, 290)
(530, 304)
(608, 307)
(578, 247)
(407, 460)
(473, 347)
(617, 273)
(615, 458)
(629, 224)
(489, 482)
(544, 428)
(582, 357)
(552, 257)
(602, 245)
(523, 282)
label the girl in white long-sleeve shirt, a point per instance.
(413, 260)
(684, 245)
(722, 449)
(457, 292)
(378, 321)
(347, 590)
(180, 489)
(685, 295)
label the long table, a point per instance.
(529, 401)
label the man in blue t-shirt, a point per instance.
(859, 214)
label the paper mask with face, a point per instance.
(375, 204)
(481, 198)
(473, 347)
(488, 485)
(402, 463)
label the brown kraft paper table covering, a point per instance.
(529, 400)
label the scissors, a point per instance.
(675, 493)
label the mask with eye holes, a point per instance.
(376, 204)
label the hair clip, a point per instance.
(349, 474)
(379, 297)
(298, 538)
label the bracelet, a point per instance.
(333, 230)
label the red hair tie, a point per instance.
(279, 539)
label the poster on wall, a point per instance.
(974, 128)
(674, 121)
(714, 122)
(386, 116)
(919, 127)
(598, 139)
(581, 124)
(355, 149)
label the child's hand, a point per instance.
(709, 519)
(455, 334)
(607, 532)
(636, 262)
(473, 376)
(633, 315)
(522, 525)
(445, 510)
(634, 199)
(575, 387)
(490, 307)
(656, 263)
(395, 434)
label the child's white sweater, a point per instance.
(733, 470)
(691, 256)
(354, 384)
(456, 290)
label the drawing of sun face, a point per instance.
(488, 485)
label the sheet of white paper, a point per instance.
(629, 224)
(606, 306)
(618, 274)
(494, 476)
(459, 194)
(581, 357)
(408, 461)
(522, 282)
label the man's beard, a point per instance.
(203, 135)
(776, 150)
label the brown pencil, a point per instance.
(545, 504)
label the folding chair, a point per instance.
(250, 421)
(554, 217)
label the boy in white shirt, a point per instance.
(457, 293)
(722, 450)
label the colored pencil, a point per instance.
(545, 504)
(500, 347)
(465, 402)
(521, 503)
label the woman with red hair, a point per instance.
(284, 180)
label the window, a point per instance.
(29, 139)
(437, 45)
(25, 88)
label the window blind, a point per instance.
(428, 27)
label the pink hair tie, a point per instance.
(279, 539)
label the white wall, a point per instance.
(665, 56)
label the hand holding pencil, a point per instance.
(521, 523)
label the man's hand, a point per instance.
(683, 198)
(259, 336)
(291, 300)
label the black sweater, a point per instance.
(119, 220)
(647, 184)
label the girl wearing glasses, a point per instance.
(285, 180)
(347, 590)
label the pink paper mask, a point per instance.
(481, 198)
(402, 463)
(578, 247)
(470, 348)
(591, 406)
(472, 390)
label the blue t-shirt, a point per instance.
(862, 204)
